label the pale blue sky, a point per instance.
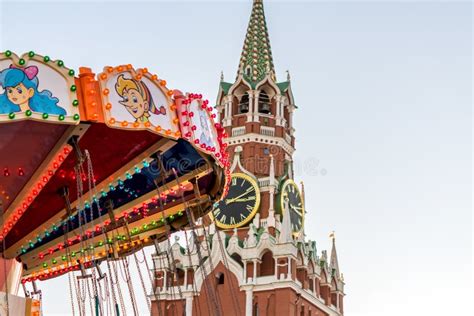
(384, 96)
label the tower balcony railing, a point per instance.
(263, 182)
(267, 131)
(288, 138)
(238, 131)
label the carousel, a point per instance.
(92, 169)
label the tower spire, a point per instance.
(256, 59)
(334, 264)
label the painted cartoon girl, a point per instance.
(205, 137)
(137, 99)
(22, 94)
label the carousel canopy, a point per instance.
(95, 167)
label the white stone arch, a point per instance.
(289, 95)
(216, 256)
(238, 83)
(267, 82)
(301, 259)
(334, 285)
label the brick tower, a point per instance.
(250, 256)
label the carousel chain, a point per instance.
(158, 253)
(85, 279)
(195, 292)
(82, 216)
(215, 298)
(110, 250)
(66, 229)
(142, 282)
(226, 271)
(93, 201)
(230, 284)
(71, 296)
(107, 295)
(125, 265)
(119, 290)
(188, 251)
(114, 297)
(171, 262)
(167, 228)
(208, 290)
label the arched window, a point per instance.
(244, 103)
(178, 277)
(264, 103)
(220, 278)
(267, 266)
(248, 71)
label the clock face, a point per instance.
(240, 204)
(290, 193)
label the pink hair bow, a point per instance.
(30, 71)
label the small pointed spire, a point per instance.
(251, 239)
(222, 76)
(302, 191)
(288, 78)
(334, 264)
(272, 170)
(286, 233)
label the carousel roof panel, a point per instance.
(25, 145)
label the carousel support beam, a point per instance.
(99, 271)
(84, 274)
(35, 290)
(27, 293)
(109, 205)
(74, 142)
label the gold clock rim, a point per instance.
(285, 184)
(254, 183)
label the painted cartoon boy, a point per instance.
(137, 99)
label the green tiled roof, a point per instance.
(256, 59)
(283, 86)
(225, 87)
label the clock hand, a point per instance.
(295, 208)
(242, 199)
(238, 197)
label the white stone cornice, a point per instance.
(262, 139)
